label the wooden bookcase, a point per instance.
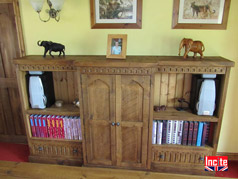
(116, 110)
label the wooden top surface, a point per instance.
(130, 61)
(33, 170)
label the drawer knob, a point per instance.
(75, 151)
(118, 123)
(161, 156)
(40, 148)
(201, 159)
(113, 123)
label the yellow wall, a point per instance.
(155, 38)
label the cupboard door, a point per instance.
(99, 114)
(132, 108)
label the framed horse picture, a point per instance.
(116, 14)
(200, 14)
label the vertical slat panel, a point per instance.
(179, 88)
(172, 88)
(187, 88)
(64, 87)
(164, 89)
(71, 86)
(157, 89)
(56, 84)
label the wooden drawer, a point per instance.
(180, 154)
(56, 149)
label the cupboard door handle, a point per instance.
(118, 123)
(201, 159)
(113, 123)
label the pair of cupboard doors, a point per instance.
(116, 113)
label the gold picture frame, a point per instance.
(117, 46)
(108, 22)
(197, 21)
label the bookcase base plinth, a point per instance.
(59, 161)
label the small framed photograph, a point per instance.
(116, 46)
(200, 14)
(116, 14)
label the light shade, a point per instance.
(57, 4)
(37, 4)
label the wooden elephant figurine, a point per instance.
(192, 46)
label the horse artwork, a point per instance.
(191, 46)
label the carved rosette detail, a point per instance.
(197, 70)
(109, 70)
(46, 68)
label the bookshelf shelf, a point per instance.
(66, 110)
(182, 147)
(173, 114)
(52, 139)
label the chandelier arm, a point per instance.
(42, 19)
(58, 15)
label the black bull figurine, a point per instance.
(51, 46)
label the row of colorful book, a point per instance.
(182, 132)
(56, 127)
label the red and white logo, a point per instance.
(216, 163)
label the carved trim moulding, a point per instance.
(46, 68)
(197, 70)
(115, 70)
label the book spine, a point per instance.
(154, 129)
(71, 130)
(61, 121)
(164, 131)
(159, 132)
(200, 131)
(211, 132)
(44, 126)
(180, 132)
(75, 128)
(53, 123)
(190, 133)
(185, 133)
(57, 124)
(207, 134)
(79, 128)
(195, 133)
(204, 133)
(65, 119)
(40, 126)
(175, 132)
(169, 132)
(33, 128)
(49, 126)
(37, 126)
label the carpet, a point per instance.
(20, 153)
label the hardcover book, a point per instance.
(164, 131)
(200, 131)
(180, 132)
(159, 132)
(195, 132)
(185, 133)
(169, 132)
(33, 128)
(190, 133)
(175, 132)
(154, 129)
(204, 133)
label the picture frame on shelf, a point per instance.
(113, 14)
(200, 14)
(117, 46)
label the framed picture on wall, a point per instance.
(116, 46)
(200, 14)
(116, 14)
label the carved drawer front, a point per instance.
(179, 156)
(62, 149)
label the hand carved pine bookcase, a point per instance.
(116, 110)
